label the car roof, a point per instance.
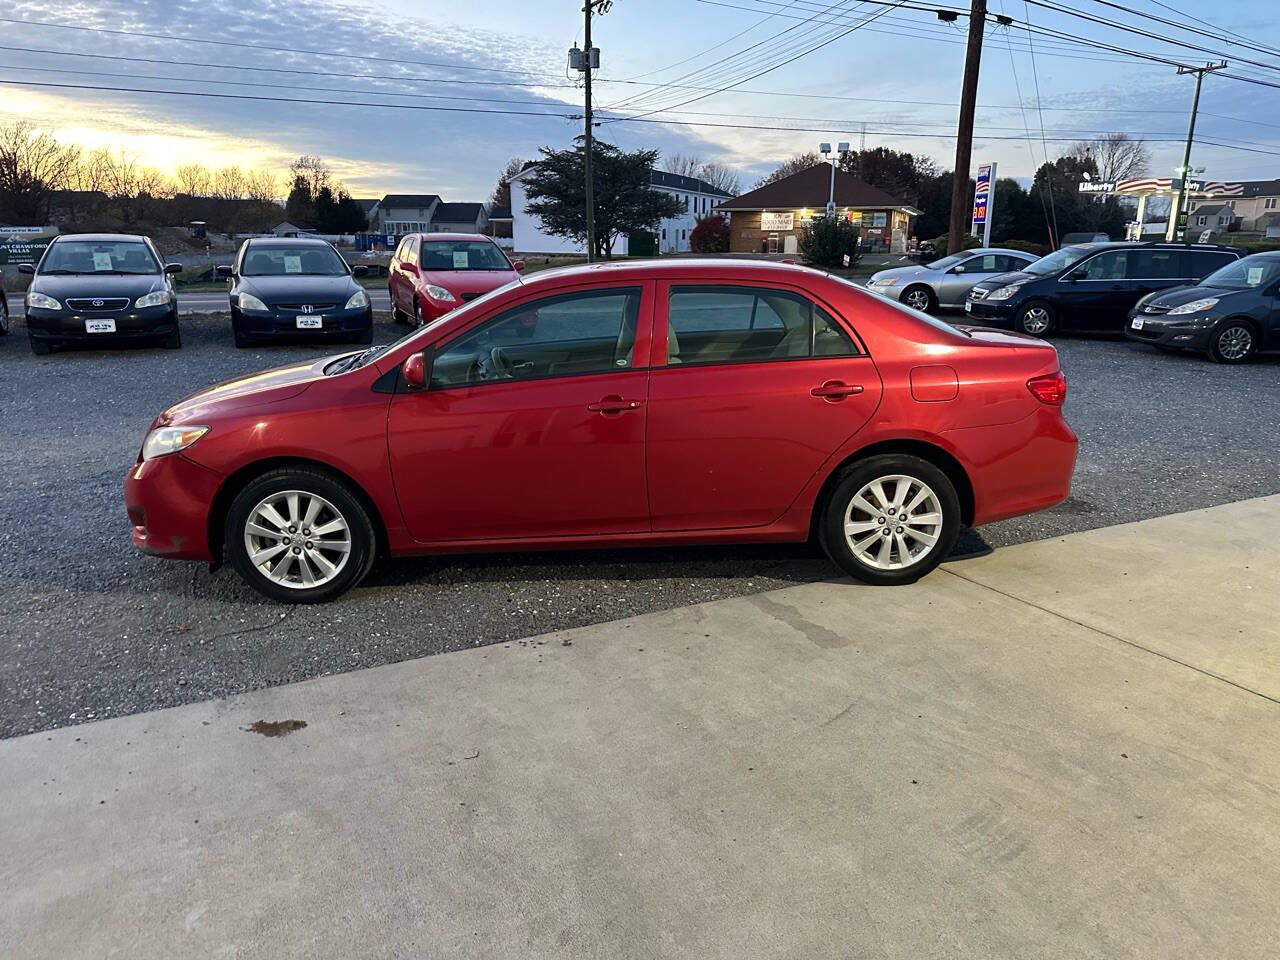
(454, 236)
(728, 268)
(102, 237)
(287, 241)
(1152, 245)
(982, 251)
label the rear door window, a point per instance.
(731, 324)
(1155, 265)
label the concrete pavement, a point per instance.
(1069, 748)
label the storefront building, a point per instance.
(769, 219)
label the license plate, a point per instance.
(99, 326)
(968, 307)
(310, 323)
(1137, 323)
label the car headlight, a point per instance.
(156, 298)
(1195, 306)
(358, 299)
(40, 301)
(166, 440)
(439, 293)
(249, 302)
(1003, 293)
(886, 282)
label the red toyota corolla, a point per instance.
(640, 403)
(431, 274)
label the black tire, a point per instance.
(174, 340)
(364, 336)
(311, 482)
(1233, 341)
(890, 469)
(1037, 318)
(397, 315)
(238, 335)
(41, 348)
(926, 300)
(4, 314)
(417, 312)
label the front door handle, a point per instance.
(836, 390)
(614, 404)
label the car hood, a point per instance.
(1005, 279)
(257, 389)
(61, 286)
(902, 273)
(1177, 296)
(298, 289)
(469, 281)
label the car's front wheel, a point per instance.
(299, 535)
(1036, 318)
(890, 519)
(1233, 342)
(920, 298)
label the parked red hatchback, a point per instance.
(434, 273)
(643, 403)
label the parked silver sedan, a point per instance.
(946, 283)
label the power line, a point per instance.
(1247, 44)
(1053, 210)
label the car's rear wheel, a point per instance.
(920, 298)
(299, 535)
(890, 519)
(1036, 318)
(1233, 342)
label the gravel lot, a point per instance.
(93, 629)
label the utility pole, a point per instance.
(586, 135)
(1180, 198)
(964, 132)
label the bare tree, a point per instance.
(797, 163)
(228, 183)
(314, 171)
(683, 164)
(32, 166)
(194, 180)
(262, 185)
(1117, 156)
(721, 177)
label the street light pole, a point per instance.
(1180, 199)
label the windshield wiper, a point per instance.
(59, 271)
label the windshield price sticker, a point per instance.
(460, 260)
(293, 264)
(1255, 276)
(102, 261)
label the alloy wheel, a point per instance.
(297, 539)
(893, 522)
(918, 299)
(1035, 320)
(1234, 343)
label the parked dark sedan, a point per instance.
(100, 286)
(1231, 314)
(291, 288)
(1090, 286)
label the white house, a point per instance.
(696, 196)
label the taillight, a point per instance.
(1051, 388)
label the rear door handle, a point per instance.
(613, 405)
(834, 390)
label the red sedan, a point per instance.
(642, 403)
(431, 274)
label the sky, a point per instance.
(682, 69)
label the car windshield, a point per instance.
(94, 256)
(945, 262)
(285, 260)
(1255, 271)
(461, 255)
(1057, 261)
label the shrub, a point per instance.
(710, 235)
(968, 243)
(826, 241)
(1026, 246)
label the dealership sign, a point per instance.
(15, 250)
(777, 222)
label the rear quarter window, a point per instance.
(1204, 262)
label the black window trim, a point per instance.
(1062, 278)
(439, 348)
(860, 349)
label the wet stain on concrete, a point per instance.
(815, 633)
(275, 728)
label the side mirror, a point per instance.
(416, 370)
(517, 265)
(224, 270)
(26, 268)
(173, 268)
(958, 268)
(1073, 276)
(359, 270)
